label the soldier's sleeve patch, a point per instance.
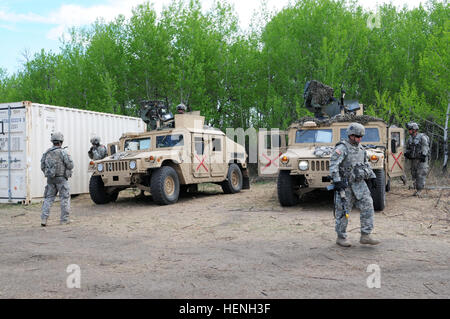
(338, 152)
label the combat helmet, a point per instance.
(412, 126)
(95, 140)
(182, 107)
(57, 136)
(356, 129)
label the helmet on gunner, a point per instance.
(356, 129)
(181, 107)
(57, 136)
(95, 140)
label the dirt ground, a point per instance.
(212, 245)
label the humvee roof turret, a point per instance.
(174, 156)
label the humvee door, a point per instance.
(201, 164)
(113, 148)
(271, 144)
(395, 154)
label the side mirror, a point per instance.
(393, 146)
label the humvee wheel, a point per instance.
(97, 191)
(234, 181)
(379, 193)
(285, 188)
(165, 186)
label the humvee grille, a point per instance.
(116, 166)
(319, 165)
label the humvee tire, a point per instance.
(97, 191)
(379, 193)
(285, 188)
(234, 181)
(165, 185)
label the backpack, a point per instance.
(48, 164)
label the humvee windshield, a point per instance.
(169, 140)
(138, 144)
(314, 136)
(372, 135)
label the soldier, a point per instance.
(57, 166)
(181, 108)
(349, 170)
(417, 148)
(97, 151)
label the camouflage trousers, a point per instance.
(54, 186)
(419, 172)
(364, 204)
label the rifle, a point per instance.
(341, 194)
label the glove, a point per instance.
(338, 186)
(423, 158)
(372, 183)
(407, 155)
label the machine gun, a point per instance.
(156, 114)
(319, 99)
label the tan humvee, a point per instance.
(170, 160)
(303, 161)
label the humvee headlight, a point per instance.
(303, 165)
(133, 165)
(284, 159)
(374, 158)
(100, 167)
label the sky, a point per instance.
(32, 25)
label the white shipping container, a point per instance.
(25, 130)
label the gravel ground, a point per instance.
(212, 245)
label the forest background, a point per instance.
(394, 61)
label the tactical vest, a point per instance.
(354, 168)
(414, 146)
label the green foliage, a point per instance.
(251, 78)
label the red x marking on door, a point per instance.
(396, 160)
(271, 161)
(201, 163)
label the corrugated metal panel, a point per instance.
(12, 177)
(78, 126)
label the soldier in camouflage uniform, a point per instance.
(57, 166)
(97, 151)
(350, 170)
(417, 148)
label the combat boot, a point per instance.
(367, 240)
(66, 222)
(344, 242)
(43, 222)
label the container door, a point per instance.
(395, 154)
(201, 166)
(271, 145)
(13, 184)
(218, 165)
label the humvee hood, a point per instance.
(310, 152)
